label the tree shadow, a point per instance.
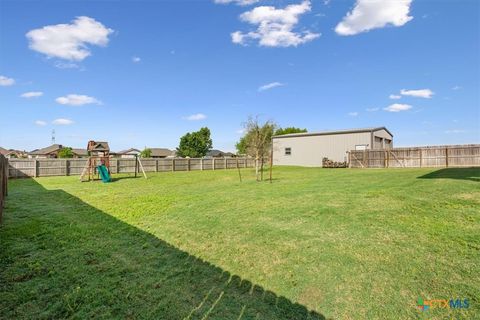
(470, 174)
(63, 258)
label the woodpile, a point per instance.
(326, 163)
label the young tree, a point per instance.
(65, 153)
(146, 153)
(258, 141)
(195, 144)
(288, 130)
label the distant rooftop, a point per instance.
(321, 133)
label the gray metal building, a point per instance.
(308, 149)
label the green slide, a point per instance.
(102, 170)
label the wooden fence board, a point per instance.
(416, 157)
(21, 168)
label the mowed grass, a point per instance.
(315, 243)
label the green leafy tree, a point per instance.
(288, 130)
(146, 153)
(195, 144)
(65, 153)
(241, 145)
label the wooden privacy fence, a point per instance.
(3, 183)
(20, 168)
(417, 157)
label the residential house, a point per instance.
(12, 153)
(162, 153)
(126, 154)
(218, 154)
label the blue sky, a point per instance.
(143, 73)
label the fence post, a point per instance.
(201, 164)
(156, 165)
(446, 157)
(225, 162)
(245, 162)
(67, 167)
(213, 163)
(173, 164)
(188, 164)
(36, 169)
(421, 156)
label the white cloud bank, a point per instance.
(40, 123)
(397, 107)
(77, 100)
(353, 114)
(237, 2)
(6, 81)
(275, 26)
(136, 59)
(421, 93)
(62, 122)
(373, 14)
(69, 41)
(31, 94)
(394, 96)
(195, 117)
(269, 86)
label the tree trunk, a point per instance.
(261, 170)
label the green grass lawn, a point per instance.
(315, 243)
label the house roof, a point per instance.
(218, 153)
(3, 151)
(322, 133)
(127, 151)
(162, 152)
(47, 150)
(80, 152)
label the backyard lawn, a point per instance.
(314, 244)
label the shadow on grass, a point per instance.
(63, 258)
(471, 174)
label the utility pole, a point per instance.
(53, 136)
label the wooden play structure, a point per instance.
(98, 163)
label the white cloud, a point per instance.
(397, 107)
(240, 131)
(455, 131)
(40, 123)
(62, 122)
(269, 86)
(275, 26)
(421, 93)
(394, 96)
(372, 109)
(69, 41)
(66, 65)
(237, 2)
(136, 59)
(77, 100)
(373, 14)
(456, 88)
(31, 94)
(353, 114)
(195, 117)
(6, 81)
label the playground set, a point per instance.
(98, 163)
